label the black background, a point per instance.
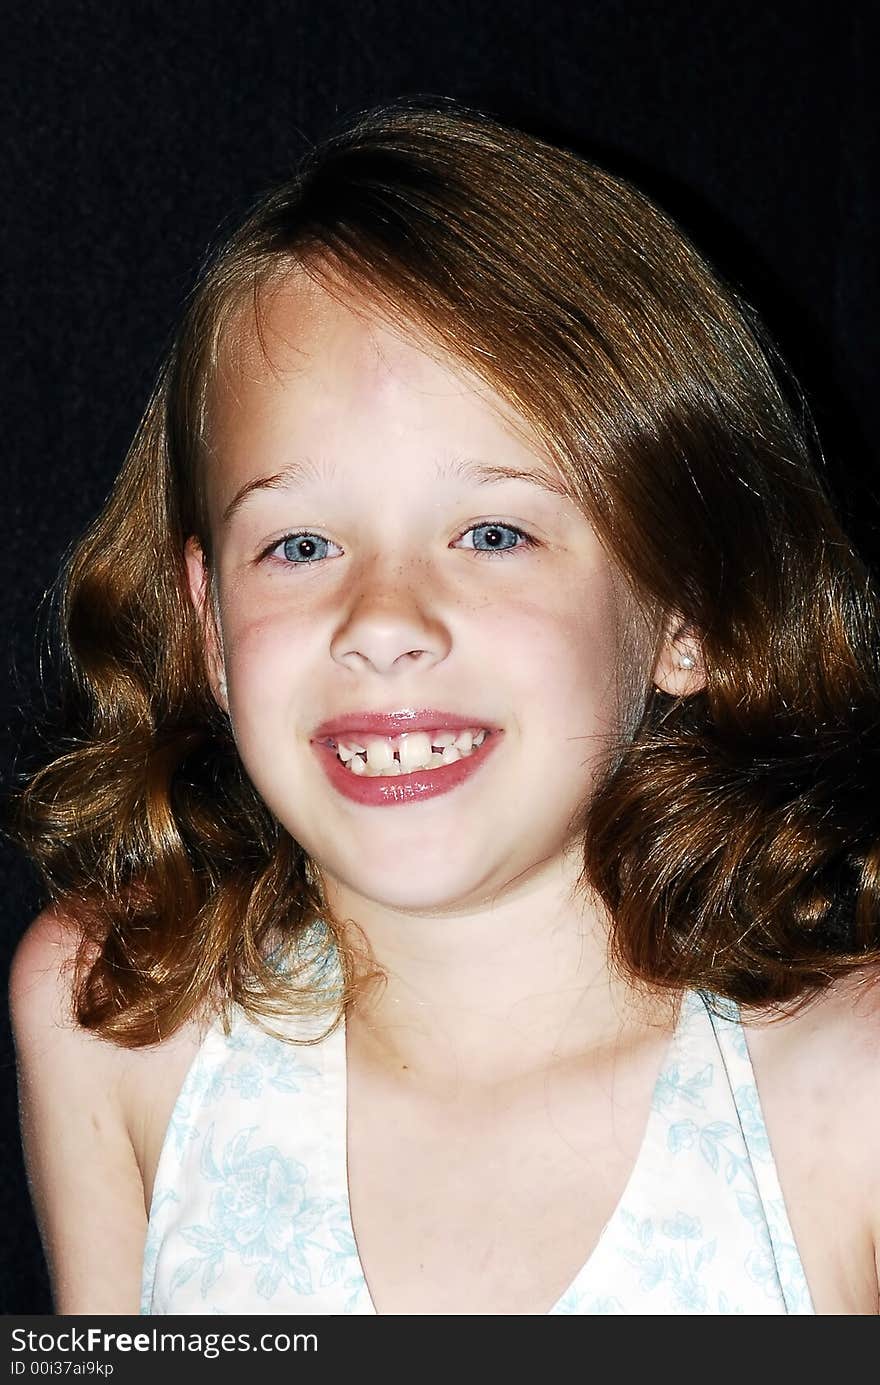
(135, 132)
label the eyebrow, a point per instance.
(464, 468)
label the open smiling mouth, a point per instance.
(417, 765)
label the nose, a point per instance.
(390, 624)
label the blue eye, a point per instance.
(299, 549)
(494, 537)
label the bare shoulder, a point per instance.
(41, 1003)
(818, 1072)
(81, 1124)
(841, 1034)
(833, 1044)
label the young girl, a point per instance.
(464, 855)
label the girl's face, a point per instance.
(421, 577)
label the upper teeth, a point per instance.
(413, 750)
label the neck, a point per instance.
(519, 985)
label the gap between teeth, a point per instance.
(445, 748)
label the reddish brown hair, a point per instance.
(734, 834)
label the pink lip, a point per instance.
(395, 723)
(415, 787)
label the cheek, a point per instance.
(566, 659)
(267, 661)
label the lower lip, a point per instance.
(398, 789)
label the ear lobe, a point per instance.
(679, 669)
(198, 576)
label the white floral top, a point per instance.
(250, 1211)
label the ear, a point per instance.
(199, 591)
(678, 668)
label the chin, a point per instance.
(411, 895)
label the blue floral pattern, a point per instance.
(250, 1211)
(260, 1212)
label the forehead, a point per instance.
(298, 325)
(323, 350)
